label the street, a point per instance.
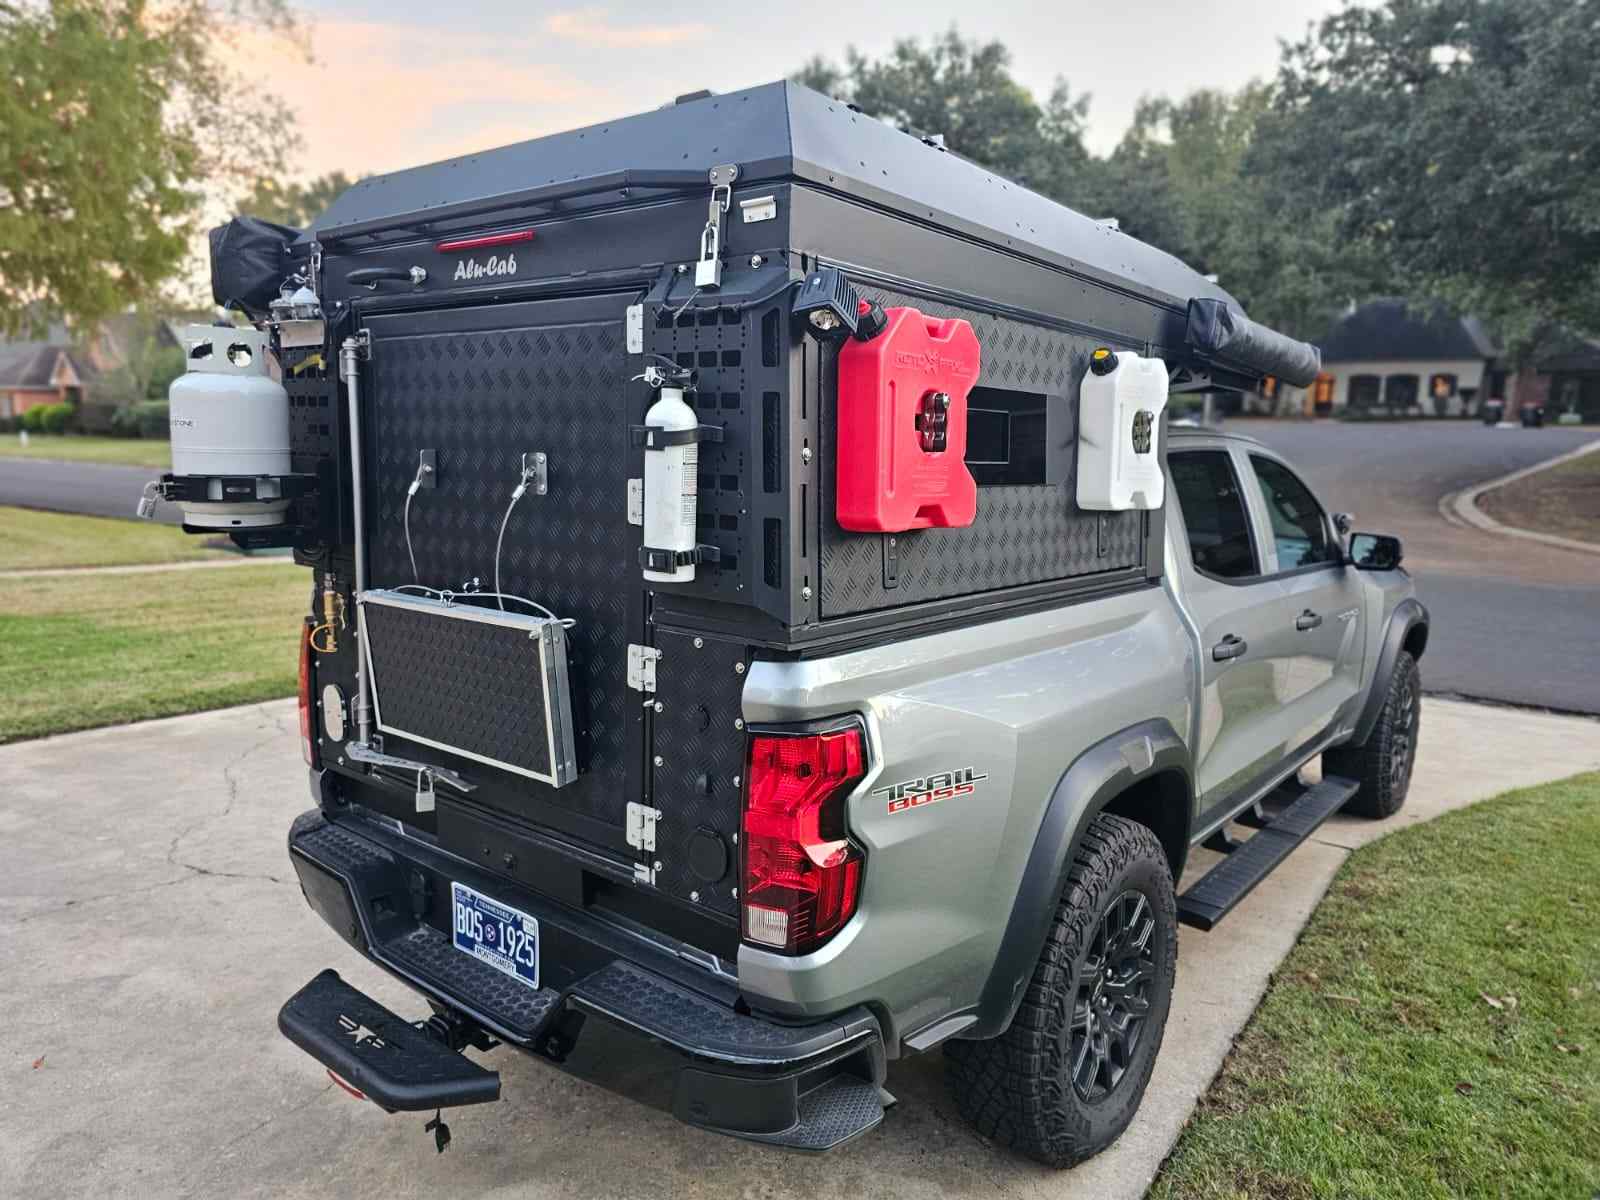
(98, 489)
(1513, 621)
(153, 926)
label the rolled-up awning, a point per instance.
(1217, 332)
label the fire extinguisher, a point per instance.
(671, 434)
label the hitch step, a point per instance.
(396, 1065)
(1236, 876)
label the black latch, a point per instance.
(653, 437)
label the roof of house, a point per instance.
(1390, 329)
(1570, 352)
(28, 364)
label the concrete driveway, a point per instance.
(151, 927)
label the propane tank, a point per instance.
(230, 422)
(671, 479)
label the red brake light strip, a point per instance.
(491, 239)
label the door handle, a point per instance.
(1229, 647)
(1307, 620)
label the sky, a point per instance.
(395, 83)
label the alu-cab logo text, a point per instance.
(471, 268)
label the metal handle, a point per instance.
(1307, 620)
(372, 276)
(1229, 647)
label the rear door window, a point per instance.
(1214, 513)
(1299, 529)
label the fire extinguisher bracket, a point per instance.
(652, 437)
(652, 558)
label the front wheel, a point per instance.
(1063, 1082)
(1382, 764)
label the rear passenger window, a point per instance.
(1214, 513)
(1298, 527)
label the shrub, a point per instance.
(150, 419)
(33, 419)
(54, 418)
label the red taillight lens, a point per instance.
(802, 874)
(484, 242)
(308, 748)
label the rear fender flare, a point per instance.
(1095, 778)
(1407, 615)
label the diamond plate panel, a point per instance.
(1022, 535)
(463, 683)
(702, 753)
(482, 399)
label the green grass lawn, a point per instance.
(1436, 1031)
(84, 650)
(31, 540)
(135, 452)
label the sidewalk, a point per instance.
(153, 927)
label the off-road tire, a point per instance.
(1382, 764)
(1018, 1088)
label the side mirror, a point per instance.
(1374, 552)
(1343, 522)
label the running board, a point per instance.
(1236, 876)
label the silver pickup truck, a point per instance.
(762, 612)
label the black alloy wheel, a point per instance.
(1112, 1002)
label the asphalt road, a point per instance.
(151, 926)
(1513, 620)
(98, 489)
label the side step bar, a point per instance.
(396, 1065)
(1236, 876)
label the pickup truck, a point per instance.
(1020, 903)
(762, 612)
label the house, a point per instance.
(1388, 355)
(33, 373)
(1570, 370)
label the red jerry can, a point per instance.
(903, 426)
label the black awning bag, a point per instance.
(249, 262)
(1217, 331)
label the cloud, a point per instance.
(382, 96)
(591, 27)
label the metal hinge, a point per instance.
(634, 326)
(635, 502)
(642, 826)
(642, 667)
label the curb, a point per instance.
(1462, 507)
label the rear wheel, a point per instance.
(1064, 1081)
(1382, 765)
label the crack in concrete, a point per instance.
(293, 1110)
(233, 783)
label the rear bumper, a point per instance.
(810, 1086)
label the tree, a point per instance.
(113, 116)
(964, 91)
(1458, 141)
(296, 204)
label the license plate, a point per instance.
(497, 934)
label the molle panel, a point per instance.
(739, 351)
(702, 754)
(1022, 534)
(481, 387)
(315, 434)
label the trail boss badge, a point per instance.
(914, 793)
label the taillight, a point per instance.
(308, 748)
(802, 874)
